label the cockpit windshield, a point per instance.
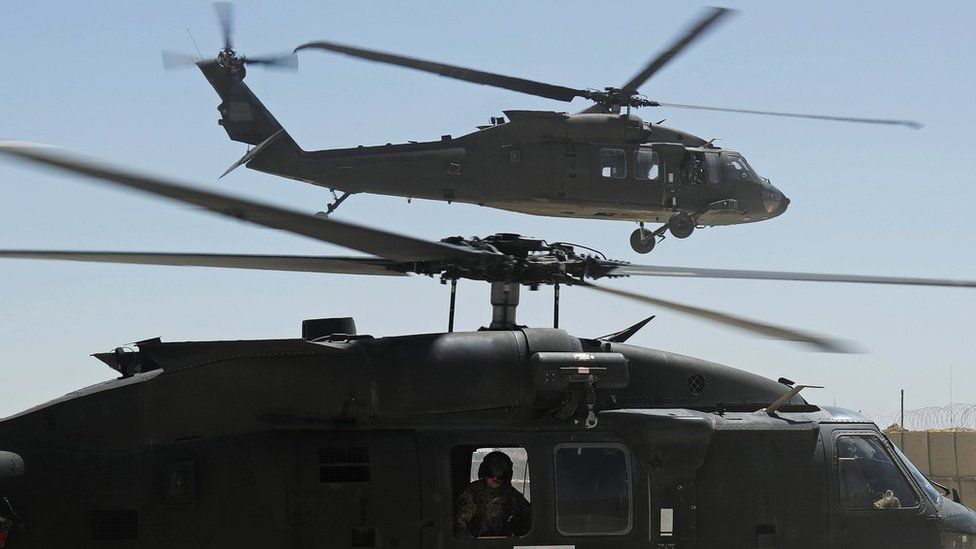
(927, 487)
(736, 169)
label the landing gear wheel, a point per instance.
(681, 225)
(642, 240)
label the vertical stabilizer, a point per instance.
(247, 120)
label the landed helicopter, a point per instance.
(602, 163)
(349, 440)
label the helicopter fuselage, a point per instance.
(350, 441)
(594, 165)
(600, 166)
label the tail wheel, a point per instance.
(681, 225)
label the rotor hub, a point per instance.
(524, 260)
(230, 60)
(613, 98)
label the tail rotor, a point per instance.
(228, 58)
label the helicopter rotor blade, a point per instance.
(307, 264)
(287, 61)
(820, 343)
(695, 272)
(225, 16)
(705, 23)
(907, 123)
(176, 60)
(392, 246)
(531, 87)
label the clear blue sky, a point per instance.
(870, 200)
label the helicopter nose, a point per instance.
(782, 206)
(774, 201)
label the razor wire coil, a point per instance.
(954, 417)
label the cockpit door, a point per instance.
(679, 190)
(713, 171)
(873, 502)
(763, 489)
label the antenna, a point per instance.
(190, 34)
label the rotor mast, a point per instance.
(504, 303)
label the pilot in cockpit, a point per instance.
(736, 169)
(867, 475)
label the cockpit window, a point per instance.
(927, 487)
(869, 477)
(736, 169)
(647, 165)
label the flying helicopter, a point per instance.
(602, 163)
(343, 438)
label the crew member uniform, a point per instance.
(482, 511)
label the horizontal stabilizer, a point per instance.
(253, 152)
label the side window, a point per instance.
(494, 501)
(613, 163)
(646, 165)
(593, 489)
(868, 476)
(714, 168)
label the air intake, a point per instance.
(318, 328)
(115, 524)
